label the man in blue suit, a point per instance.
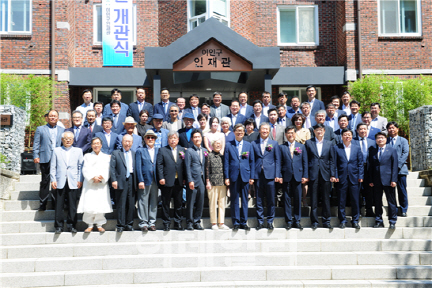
(82, 135)
(108, 137)
(267, 171)
(365, 143)
(266, 101)
(118, 118)
(367, 118)
(91, 124)
(282, 100)
(349, 175)
(194, 109)
(195, 160)
(239, 171)
(283, 119)
(383, 173)
(314, 103)
(161, 133)
(46, 138)
(185, 134)
(245, 109)
(402, 147)
(136, 107)
(321, 173)
(346, 100)
(66, 180)
(146, 159)
(123, 108)
(320, 117)
(355, 117)
(258, 116)
(295, 107)
(294, 169)
(129, 126)
(235, 116)
(310, 118)
(343, 123)
(163, 107)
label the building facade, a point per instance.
(269, 45)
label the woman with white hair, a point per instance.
(226, 124)
(95, 197)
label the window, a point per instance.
(399, 17)
(298, 92)
(104, 95)
(97, 24)
(297, 25)
(15, 16)
(200, 10)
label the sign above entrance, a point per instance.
(212, 56)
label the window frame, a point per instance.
(109, 89)
(399, 34)
(9, 20)
(208, 14)
(296, 8)
(299, 89)
(95, 31)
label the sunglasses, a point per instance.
(151, 137)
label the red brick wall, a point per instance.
(172, 21)
(243, 18)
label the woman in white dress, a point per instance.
(95, 198)
(213, 135)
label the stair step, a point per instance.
(35, 178)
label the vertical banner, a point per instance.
(117, 47)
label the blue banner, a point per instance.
(117, 47)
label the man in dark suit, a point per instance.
(295, 107)
(355, 117)
(343, 124)
(267, 172)
(91, 123)
(123, 108)
(195, 158)
(282, 100)
(245, 109)
(266, 101)
(129, 126)
(147, 196)
(122, 173)
(349, 174)
(276, 130)
(258, 116)
(283, 119)
(367, 118)
(320, 117)
(331, 119)
(321, 173)
(383, 173)
(117, 117)
(163, 107)
(235, 116)
(365, 144)
(402, 147)
(218, 109)
(314, 103)
(193, 103)
(82, 135)
(346, 99)
(185, 134)
(310, 118)
(170, 170)
(239, 171)
(46, 138)
(108, 137)
(294, 171)
(136, 107)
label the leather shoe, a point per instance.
(404, 214)
(235, 228)
(166, 228)
(260, 226)
(298, 226)
(42, 207)
(245, 227)
(342, 226)
(178, 227)
(328, 226)
(198, 227)
(128, 228)
(314, 226)
(378, 225)
(356, 225)
(392, 226)
(58, 230)
(288, 226)
(152, 228)
(120, 230)
(190, 227)
(270, 226)
(144, 229)
(72, 230)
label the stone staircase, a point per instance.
(33, 256)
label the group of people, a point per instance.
(132, 155)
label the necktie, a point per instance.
(274, 132)
(379, 154)
(91, 128)
(174, 154)
(353, 122)
(115, 121)
(392, 142)
(364, 148)
(200, 153)
(77, 133)
(127, 164)
(263, 147)
(291, 147)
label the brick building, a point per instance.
(273, 45)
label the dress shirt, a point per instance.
(158, 141)
(291, 148)
(128, 155)
(282, 121)
(165, 106)
(233, 119)
(347, 151)
(393, 141)
(195, 112)
(374, 123)
(77, 131)
(115, 120)
(83, 108)
(239, 146)
(180, 115)
(308, 122)
(380, 151)
(243, 109)
(174, 152)
(140, 105)
(311, 103)
(91, 127)
(263, 145)
(319, 146)
(53, 135)
(333, 122)
(200, 153)
(354, 121)
(265, 109)
(346, 109)
(218, 111)
(67, 154)
(368, 129)
(363, 146)
(152, 153)
(258, 120)
(107, 137)
(99, 120)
